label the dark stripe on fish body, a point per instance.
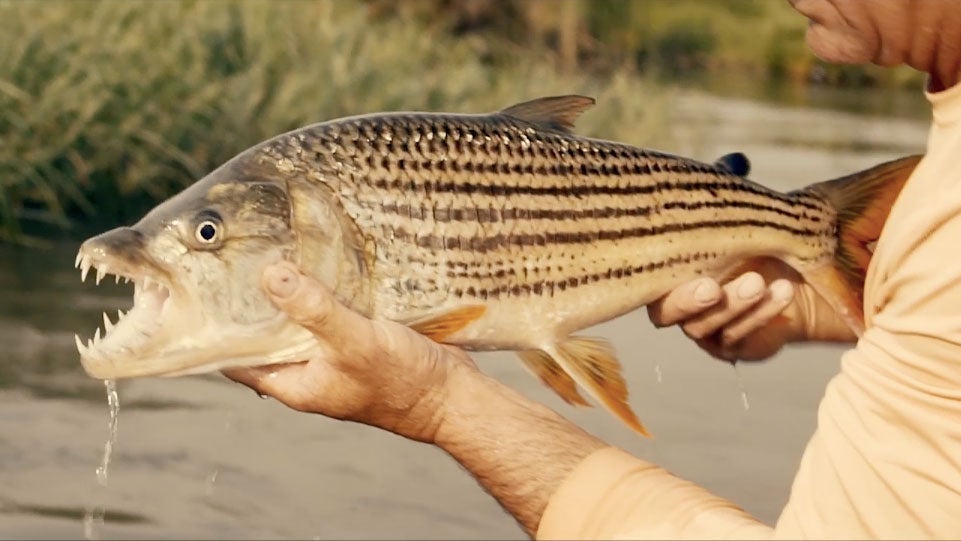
(489, 215)
(573, 190)
(550, 286)
(500, 240)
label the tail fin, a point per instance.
(863, 201)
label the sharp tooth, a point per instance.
(84, 269)
(126, 280)
(116, 278)
(76, 262)
(80, 349)
(89, 344)
(120, 315)
(100, 274)
(107, 325)
(96, 337)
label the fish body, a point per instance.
(500, 231)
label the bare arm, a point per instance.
(518, 450)
(384, 374)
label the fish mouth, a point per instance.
(135, 334)
(167, 332)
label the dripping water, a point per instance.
(657, 371)
(93, 518)
(740, 387)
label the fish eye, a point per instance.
(207, 232)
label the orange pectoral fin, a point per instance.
(438, 327)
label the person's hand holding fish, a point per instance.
(753, 316)
(375, 372)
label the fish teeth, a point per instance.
(80, 347)
(116, 278)
(76, 262)
(101, 272)
(120, 315)
(107, 325)
(96, 337)
(84, 269)
(126, 280)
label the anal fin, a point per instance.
(591, 362)
(546, 368)
(439, 326)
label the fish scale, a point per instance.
(501, 231)
(547, 231)
(477, 193)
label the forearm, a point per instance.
(520, 451)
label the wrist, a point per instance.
(467, 392)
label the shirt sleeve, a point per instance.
(613, 495)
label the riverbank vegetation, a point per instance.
(108, 107)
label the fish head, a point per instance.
(196, 262)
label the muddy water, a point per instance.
(202, 457)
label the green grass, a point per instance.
(109, 107)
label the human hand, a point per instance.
(379, 373)
(753, 316)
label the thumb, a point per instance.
(312, 305)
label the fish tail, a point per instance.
(591, 362)
(863, 201)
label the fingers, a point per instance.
(685, 301)
(737, 297)
(779, 294)
(312, 305)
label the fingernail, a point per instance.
(781, 292)
(750, 287)
(706, 292)
(281, 281)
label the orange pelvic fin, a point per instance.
(591, 362)
(546, 368)
(438, 327)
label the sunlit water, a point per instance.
(202, 457)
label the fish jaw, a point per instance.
(194, 310)
(167, 332)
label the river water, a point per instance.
(203, 457)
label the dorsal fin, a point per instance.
(736, 163)
(554, 113)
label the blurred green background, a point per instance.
(109, 107)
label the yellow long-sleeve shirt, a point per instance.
(885, 460)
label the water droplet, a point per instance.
(740, 387)
(261, 395)
(92, 521)
(657, 371)
(211, 481)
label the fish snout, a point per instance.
(114, 242)
(121, 249)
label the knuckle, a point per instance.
(314, 311)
